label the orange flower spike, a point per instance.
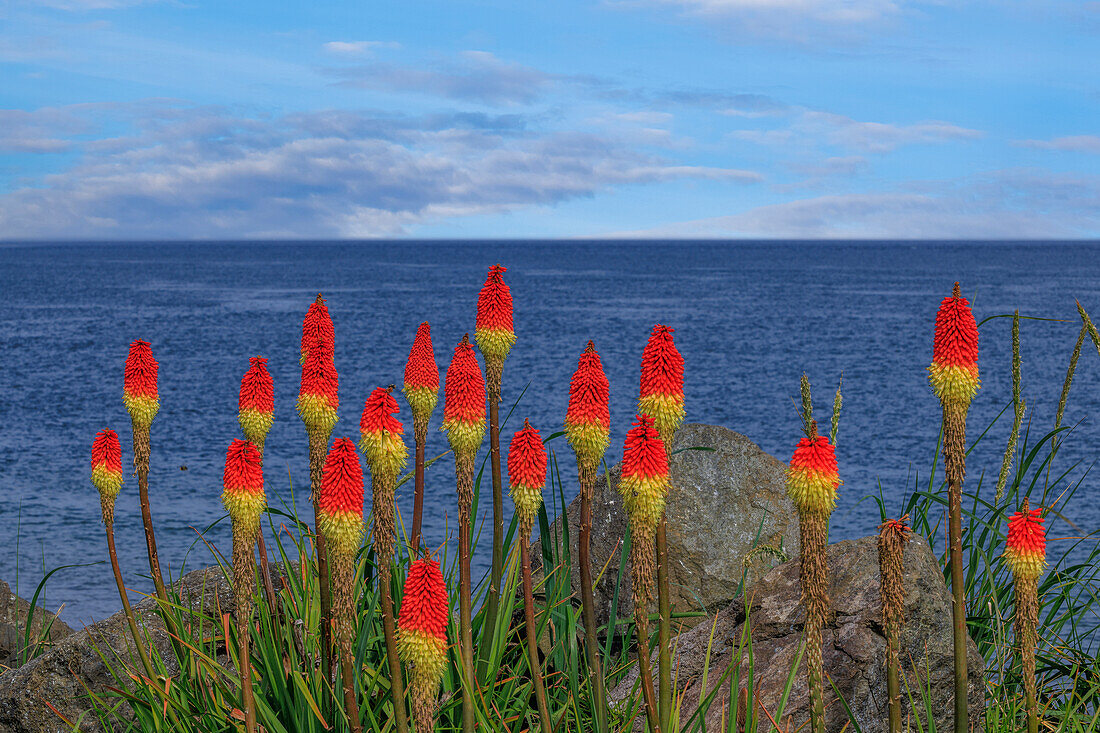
(256, 404)
(107, 466)
(340, 503)
(1026, 546)
(317, 329)
(813, 478)
(954, 369)
(588, 419)
(318, 396)
(380, 434)
(140, 386)
(422, 375)
(493, 325)
(661, 389)
(464, 401)
(422, 621)
(243, 483)
(526, 474)
(644, 483)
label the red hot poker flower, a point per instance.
(813, 477)
(954, 369)
(422, 375)
(380, 434)
(1026, 547)
(588, 419)
(340, 502)
(644, 483)
(526, 474)
(317, 329)
(243, 483)
(464, 400)
(422, 621)
(256, 403)
(107, 465)
(140, 384)
(318, 396)
(661, 387)
(493, 327)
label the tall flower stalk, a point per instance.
(587, 427)
(422, 638)
(892, 538)
(243, 497)
(340, 521)
(954, 378)
(495, 336)
(421, 392)
(380, 440)
(143, 402)
(1025, 555)
(255, 413)
(318, 400)
(107, 478)
(464, 423)
(644, 489)
(526, 479)
(661, 394)
(812, 482)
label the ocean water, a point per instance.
(749, 319)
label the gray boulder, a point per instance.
(727, 506)
(58, 678)
(852, 644)
(14, 616)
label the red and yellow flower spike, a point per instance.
(256, 404)
(317, 329)
(422, 636)
(813, 478)
(588, 418)
(661, 392)
(243, 483)
(526, 474)
(340, 502)
(464, 401)
(954, 369)
(1026, 547)
(140, 385)
(493, 326)
(318, 396)
(422, 375)
(644, 483)
(644, 489)
(380, 434)
(107, 471)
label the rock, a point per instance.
(852, 642)
(14, 613)
(725, 502)
(58, 677)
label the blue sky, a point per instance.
(122, 119)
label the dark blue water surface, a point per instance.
(749, 319)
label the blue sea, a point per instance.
(749, 319)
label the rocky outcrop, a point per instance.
(727, 507)
(853, 644)
(34, 697)
(14, 615)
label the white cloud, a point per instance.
(1003, 205)
(356, 48)
(1071, 144)
(200, 173)
(474, 76)
(799, 21)
(812, 128)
